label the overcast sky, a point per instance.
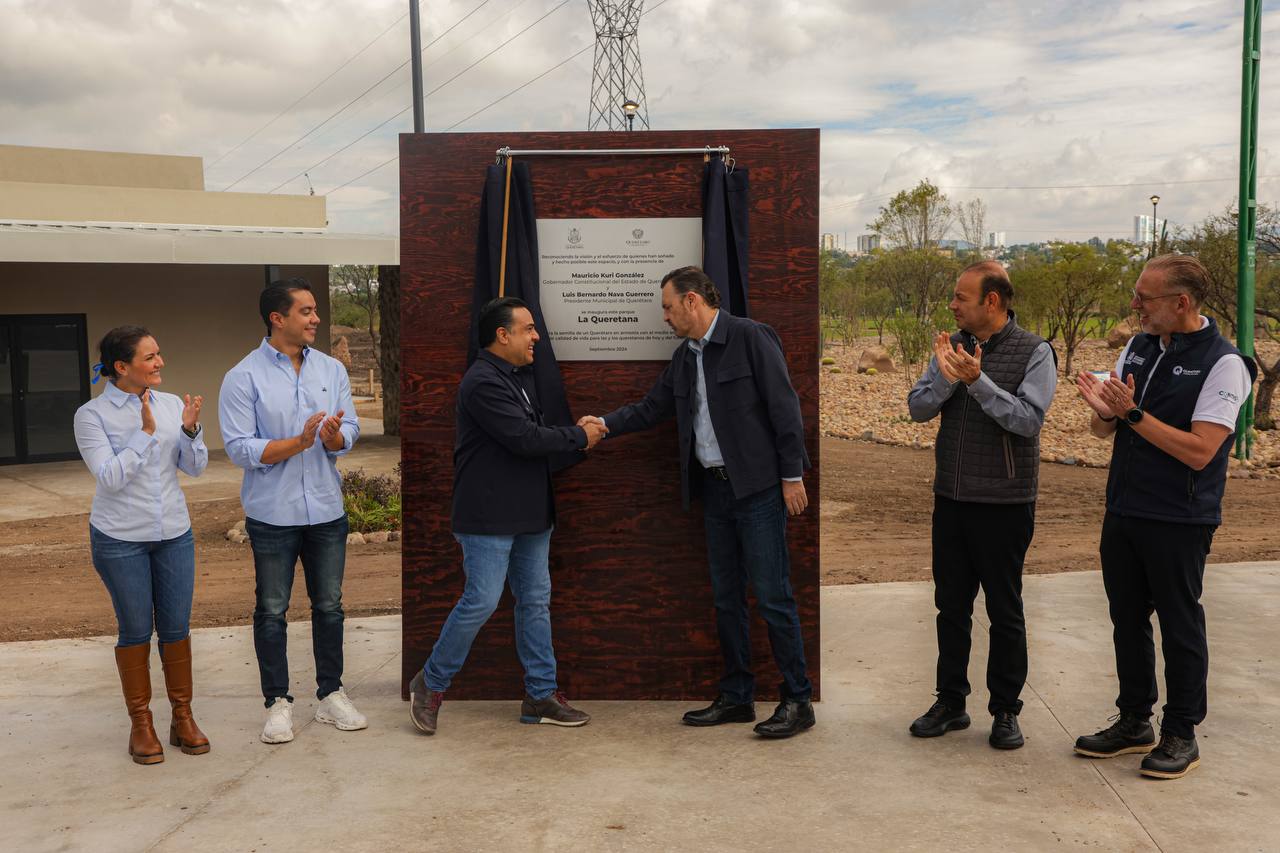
(977, 97)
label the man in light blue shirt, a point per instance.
(287, 414)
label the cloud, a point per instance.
(1004, 96)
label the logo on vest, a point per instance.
(1179, 370)
(1134, 358)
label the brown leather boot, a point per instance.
(134, 663)
(183, 731)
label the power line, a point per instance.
(343, 108)
(383, 123)
(492, 103)
(1151, 183)
(350, 59)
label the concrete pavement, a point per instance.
(66, 488)
(634, 779)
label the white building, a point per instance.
(995, 240)
(868, 243)
(1142, 234)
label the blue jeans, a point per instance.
(747, 542)
(150, 585)
(323, 549)
(489, 563)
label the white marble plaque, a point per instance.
(601, 284)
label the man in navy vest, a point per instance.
(992, 383)
(1171, 404)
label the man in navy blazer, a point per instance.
(742, 451)
(503, 515)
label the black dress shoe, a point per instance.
(1005, 733)
(721, 711)
(939, 719)
(791, 717)
(1129, 733)
(1173, 758)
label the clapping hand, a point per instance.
(148, 418)
(1110, 398)
(191, 411)
(331, 431)
(595, 429)
(967, 368)
(308, 435)
(942, 352)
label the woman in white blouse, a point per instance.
(135, 439)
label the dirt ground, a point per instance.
(876, 503)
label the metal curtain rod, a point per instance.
(570, 152)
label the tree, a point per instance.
(916, 218)
(1070, 290)
(1214, 243)
(971, 216)
(358, 283)
(389, 349)
(917, 279)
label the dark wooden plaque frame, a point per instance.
(631, 604)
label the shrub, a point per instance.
(871, 371)
(372, 502)
(828, 360)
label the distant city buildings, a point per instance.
(995, 240)
(1142, 232)
(868, 243)
(828, 242)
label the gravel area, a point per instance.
(874, 408)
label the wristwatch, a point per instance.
(1133, 416)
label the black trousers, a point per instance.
(981, 545)
(1158, 566)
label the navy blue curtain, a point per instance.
(726, 199)
(543, 378)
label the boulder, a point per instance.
(876, 357)
(342, 351)
(393, 536)
(377, 537)
(239, 526)
(355, 539)
(1120, 334)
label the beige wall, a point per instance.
(100, 168)
(205, 317)
(29, 201)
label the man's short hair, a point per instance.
(995, 279)
(1183, 273)
(498, 314)
(277, 298)
(693, 280)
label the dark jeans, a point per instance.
(1158, 566)
(323, 549)
(150, 583)
(747, 542)
(981, 545)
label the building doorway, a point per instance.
(44, 378)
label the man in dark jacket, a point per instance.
(1171, 405)
(992, 382)
(503, 514)
(742, 450)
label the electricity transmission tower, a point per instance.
(617, 82)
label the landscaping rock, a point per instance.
(239, 525)
(355, 539)
(342, 352)
(377, 537)
(1120, 334)
(393, 536)
(878, 357)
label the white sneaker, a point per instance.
(279, 727)
(336, 710)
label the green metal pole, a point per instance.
(1247, 220)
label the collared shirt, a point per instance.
(705, 446)
(264, 399)
(138, 498)
(1021, 413)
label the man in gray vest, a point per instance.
(1171, 405)
(992, 382)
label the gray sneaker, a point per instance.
(554, 709)
(424, 704)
